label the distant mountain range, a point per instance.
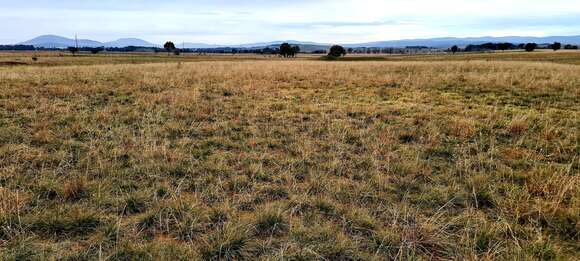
(450, 41)
(54, 41)
(304, 46)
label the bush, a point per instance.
(530, 47)
(73, 50)
(287, 50)
(556, 46)
(454, 49)
(97, 50)
(337, 51)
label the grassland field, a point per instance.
(156, 157)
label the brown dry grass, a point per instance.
(291, 160)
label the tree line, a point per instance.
(285, 50)
(288, 51)
(528, 47)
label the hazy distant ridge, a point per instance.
(55, 41)
(450, 41)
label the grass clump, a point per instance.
(76, 189)
(271, 222)
(65, 223)
(228, 243)
(275, 193)
(134, 204)
(20, 249)
(179, 219)
(323, 241)
(359, 222)
(129, 253)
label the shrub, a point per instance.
(97, 50)
(169, 47)
(286, 50)
(454, 49)
(530, 47)
(556, 46)
(73, 50)
(337, 51)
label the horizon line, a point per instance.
(303, 41)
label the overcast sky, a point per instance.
(329, 21)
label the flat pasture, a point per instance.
(246, 157)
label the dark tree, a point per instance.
(286, 50)
(97, 50)
(337, 51)
(73, 50)
(295, 50)
(530, 47)
(169, 47)
(503, 46)
(17, 47)
(556, 46)
(268, 51)
(454, 49)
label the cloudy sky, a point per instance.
(329, 21)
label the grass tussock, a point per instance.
(298, 160)
(75, 189)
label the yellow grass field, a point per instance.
(440, 157)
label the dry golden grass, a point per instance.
(562, 57)
(296, 160)
(63, 58)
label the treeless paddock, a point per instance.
(290, 160)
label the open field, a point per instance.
(263, 159)
(64, 58)
(563, 57)
(50, 59)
